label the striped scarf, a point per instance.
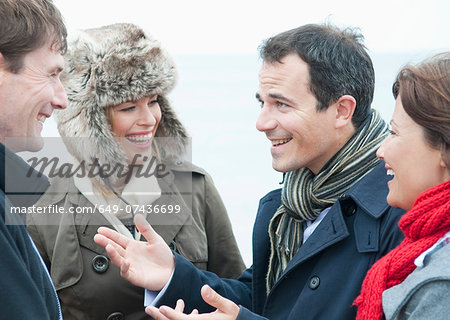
(305, 195)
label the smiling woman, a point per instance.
(134, 124)
(118, 119)
(406, 150)
(413, 280)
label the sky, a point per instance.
(239, 26)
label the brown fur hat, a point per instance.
(108, 66)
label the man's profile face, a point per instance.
(28, 97)
(300, 135)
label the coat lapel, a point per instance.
(332, 229)
(167, 226)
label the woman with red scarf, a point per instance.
(413, 280)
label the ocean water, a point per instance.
(215, 99)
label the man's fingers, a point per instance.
(172, 314)
(124, 267)
(180, 305)
(154, 313)
(120, 250)
(111, 235)
(115, 257)
(195, 311)
(103, 241)
(216, 300)
(114, 236)
(167, 313)
(144, 228)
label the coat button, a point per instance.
(100, 264)
(173, 246)
(314, 283)
(115, 316)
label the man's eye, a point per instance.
(281, 104)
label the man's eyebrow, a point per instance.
(55, 69)
(276, 96)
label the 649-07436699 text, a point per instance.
(113, 209)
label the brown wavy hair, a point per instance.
(25, 26)
(424, 91)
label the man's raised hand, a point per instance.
(146, 264)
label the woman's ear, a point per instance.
(444, 163)
(345, 107)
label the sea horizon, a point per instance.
(215, 100)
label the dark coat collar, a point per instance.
(21, 183)
(370, 193)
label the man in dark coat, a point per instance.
(32, 41)
(315, 239)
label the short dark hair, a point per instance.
(27, 25)
(338, 63)
(424, 91)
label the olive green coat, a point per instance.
(89, 285)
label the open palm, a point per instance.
(146, 264)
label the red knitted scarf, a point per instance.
(423, 225)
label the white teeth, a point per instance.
(140, 139)
(281, 141)
(41, 118)
(390, 172)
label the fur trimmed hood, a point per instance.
(108, 66)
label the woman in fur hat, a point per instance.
(129, 145)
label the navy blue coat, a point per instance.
(325, 275)
(25, 288)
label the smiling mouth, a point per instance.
(41, 118)
(280, 142)
(390, 172)
(140, 139)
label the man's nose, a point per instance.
(266, 120)
(59, 100)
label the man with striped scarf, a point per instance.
(315, 239)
